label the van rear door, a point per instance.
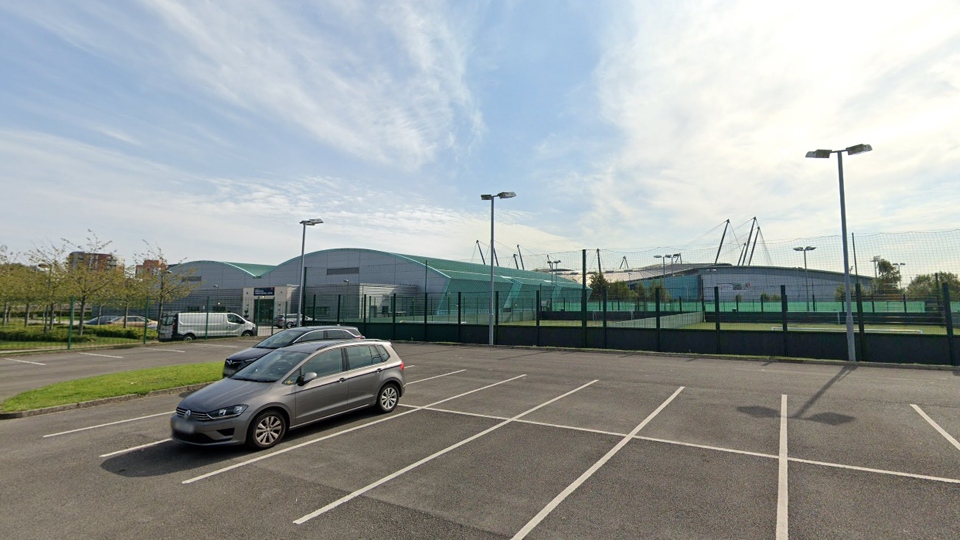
(166, 327)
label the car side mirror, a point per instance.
(306, 377)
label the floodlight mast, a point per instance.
(492, 198)
(825, 154)
(303, 244)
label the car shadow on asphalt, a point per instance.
(171, 457)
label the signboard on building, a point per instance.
(263, 291)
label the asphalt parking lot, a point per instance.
(518, 443)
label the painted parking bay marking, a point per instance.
(325, 437)
(522, 533)
(24, 361)
(433, 456)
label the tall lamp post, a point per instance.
(492, 198)
(806, 282)
(303, 245)
(825, 154)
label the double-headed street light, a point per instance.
(825, 154)
(491, 198)
(303, 245)
(806, 282)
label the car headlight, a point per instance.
(227, 412)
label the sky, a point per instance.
(209, 130)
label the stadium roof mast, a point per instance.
(482, 260)
(722, 237)
(520, 253)
(743, 252)
(754, 248)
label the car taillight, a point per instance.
(401, 365)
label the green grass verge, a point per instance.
(115, 384)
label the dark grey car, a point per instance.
(237, 361)
(290, 388)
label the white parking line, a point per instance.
(522, 533)
(878, 471)
(783, 494)
(24, 361)
(937, 427)
(135, 448)
(108, 424)
(101, 355)
(436, 377)
(217, 346)
(708, 447)
(325, 437)
(431, 457)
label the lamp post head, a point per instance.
(501, 195)
(858, 149)
(311, 222)
(819, 154)
(850, 150)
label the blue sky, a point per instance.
(210, 129)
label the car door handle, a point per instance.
(342, 379)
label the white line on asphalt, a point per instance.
(436, 376)
(24, 361)
(325, 437)
(431, 457)
(937, 427)
(522, 533)
(109, 424)
(604, 432)
(707, 447)
(102, 355)
(783, 494)
(135, 448)
(217, 346)
(878, 471)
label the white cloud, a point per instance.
(718, 102)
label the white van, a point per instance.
(188, 326)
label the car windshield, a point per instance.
(272, 367)
(281, 339)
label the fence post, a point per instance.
(860, 353)
(70, 328)
(393, 314)
(338, 309)
(206, 324)
(146, 319)
(948, 318)
(604, 318)
(716, 312)
(496, 318)
(657, 306)
(537, 317)
(783, 316)
(426, 308)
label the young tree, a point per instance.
(927, 286)
(887, 282)
(619, 290)
(86, 279)
(598, 284)
(161, 283)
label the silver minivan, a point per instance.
(289, 388)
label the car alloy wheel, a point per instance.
(266, 430)
(387, 398)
